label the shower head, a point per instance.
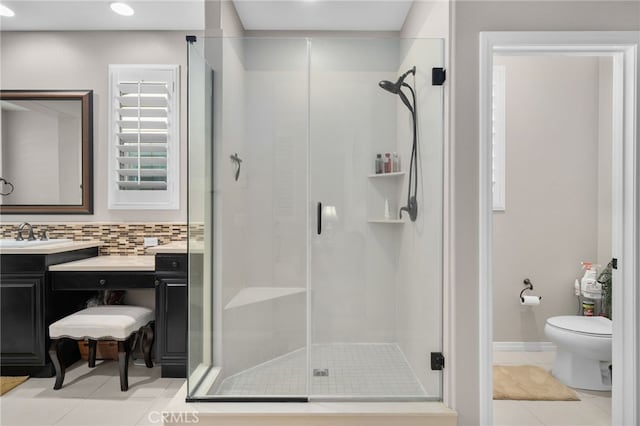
(395, 87)
(390, 87)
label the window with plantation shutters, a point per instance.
(499, 136)
(144, 133)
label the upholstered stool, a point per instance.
(110, 322)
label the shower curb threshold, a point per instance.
(427, 413)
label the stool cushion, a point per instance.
(102, 322)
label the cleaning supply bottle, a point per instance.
(591, 289)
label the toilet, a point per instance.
(583, 357)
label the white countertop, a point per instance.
(172, 247)
(108, 263)
(52, 247)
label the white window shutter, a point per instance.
(144, 133)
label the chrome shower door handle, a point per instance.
(319, 218)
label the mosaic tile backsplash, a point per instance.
(119, 238)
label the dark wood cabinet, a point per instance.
(171, 314)
(21, 322)
(101, 280)
(28, 307)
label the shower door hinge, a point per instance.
(438, 76)
(437, 361)
(614, 263)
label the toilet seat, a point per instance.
(589, 326)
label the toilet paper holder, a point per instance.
(528, 286)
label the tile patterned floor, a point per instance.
(90, 397)
(378, 370)
(593, 409)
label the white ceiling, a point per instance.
(323, 15)
(52, 15)
(334, 15)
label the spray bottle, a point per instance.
(590, 288)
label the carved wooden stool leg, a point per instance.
(54, 354)
(147, 344)
(124, 348)
(92, 352)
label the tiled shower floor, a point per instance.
(361, 370)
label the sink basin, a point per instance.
(10, 243)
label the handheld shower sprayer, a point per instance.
(396, 88)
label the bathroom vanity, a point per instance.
(165, 271)
(43, 282)
(171, 308)
(28, 304)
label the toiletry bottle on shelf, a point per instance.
(379, 164)
(387, 162)
(396, 162)
(387, 210)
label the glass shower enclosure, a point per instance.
(304, 281)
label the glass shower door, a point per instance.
(303, 281)
(200, 213)
(375, 278)
(255, 300)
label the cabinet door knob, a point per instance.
(102, 281)
(157, 283)
(174, 264)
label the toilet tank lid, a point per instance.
(590, 325)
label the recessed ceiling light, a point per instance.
(122, 9)
(6, 12)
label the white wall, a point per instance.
(275, 161)
(353, 265)
(427, 18)
(263, 213)
(423, 276)
(80, 60)
(605, 99)
(469, 18)
(550, 225)
(419, 271)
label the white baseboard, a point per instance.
(523, 346)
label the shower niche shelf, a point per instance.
(387, 221)
(385, 187)
(386, 175)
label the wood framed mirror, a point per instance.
(46, 152)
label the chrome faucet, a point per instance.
(21, 227)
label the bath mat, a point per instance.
(528, 383)
(8, 383)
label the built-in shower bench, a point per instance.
(267, 322)
(250, 295)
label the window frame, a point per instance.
(144, 199)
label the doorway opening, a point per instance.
(603, 51)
